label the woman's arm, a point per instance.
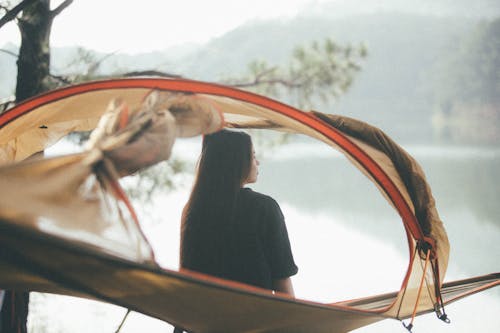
(284, 286)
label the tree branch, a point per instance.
(151, 73)
(61, 79)
(11, 14)
(15, 55)
(283, 82)
(92, 68)
(60, 8)
(260, 75)
(4, 106)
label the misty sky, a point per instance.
(126, 26)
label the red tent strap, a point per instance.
(420, 287)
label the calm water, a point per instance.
(347, 240)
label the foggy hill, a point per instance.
(392, 88)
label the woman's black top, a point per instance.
(253, 248)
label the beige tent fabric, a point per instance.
(411, 178)
(63, 197)
(133, 140)
(41, 128)
(409, 172)
(44, 194)
(451, 291)
(138, 129)
(198, 303)
(194, 113)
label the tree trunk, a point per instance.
(33, 73)
(14, 314)
(33, 64)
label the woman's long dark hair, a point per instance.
(223, 167)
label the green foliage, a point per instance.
(319, 71)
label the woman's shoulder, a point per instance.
(260, 205)
(258, 198)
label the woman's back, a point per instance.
(251, 247)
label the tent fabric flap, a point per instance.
(451, 292)
(100, 252)
(409, 170)
(199, 304)
(54, 264)
(37, 124)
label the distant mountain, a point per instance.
(393, 88)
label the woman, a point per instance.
(228, 230)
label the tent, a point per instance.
(100, 252)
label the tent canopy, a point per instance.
(101, 251)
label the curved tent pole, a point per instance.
(378, 175)
(189, 86)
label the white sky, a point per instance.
(136, 26)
